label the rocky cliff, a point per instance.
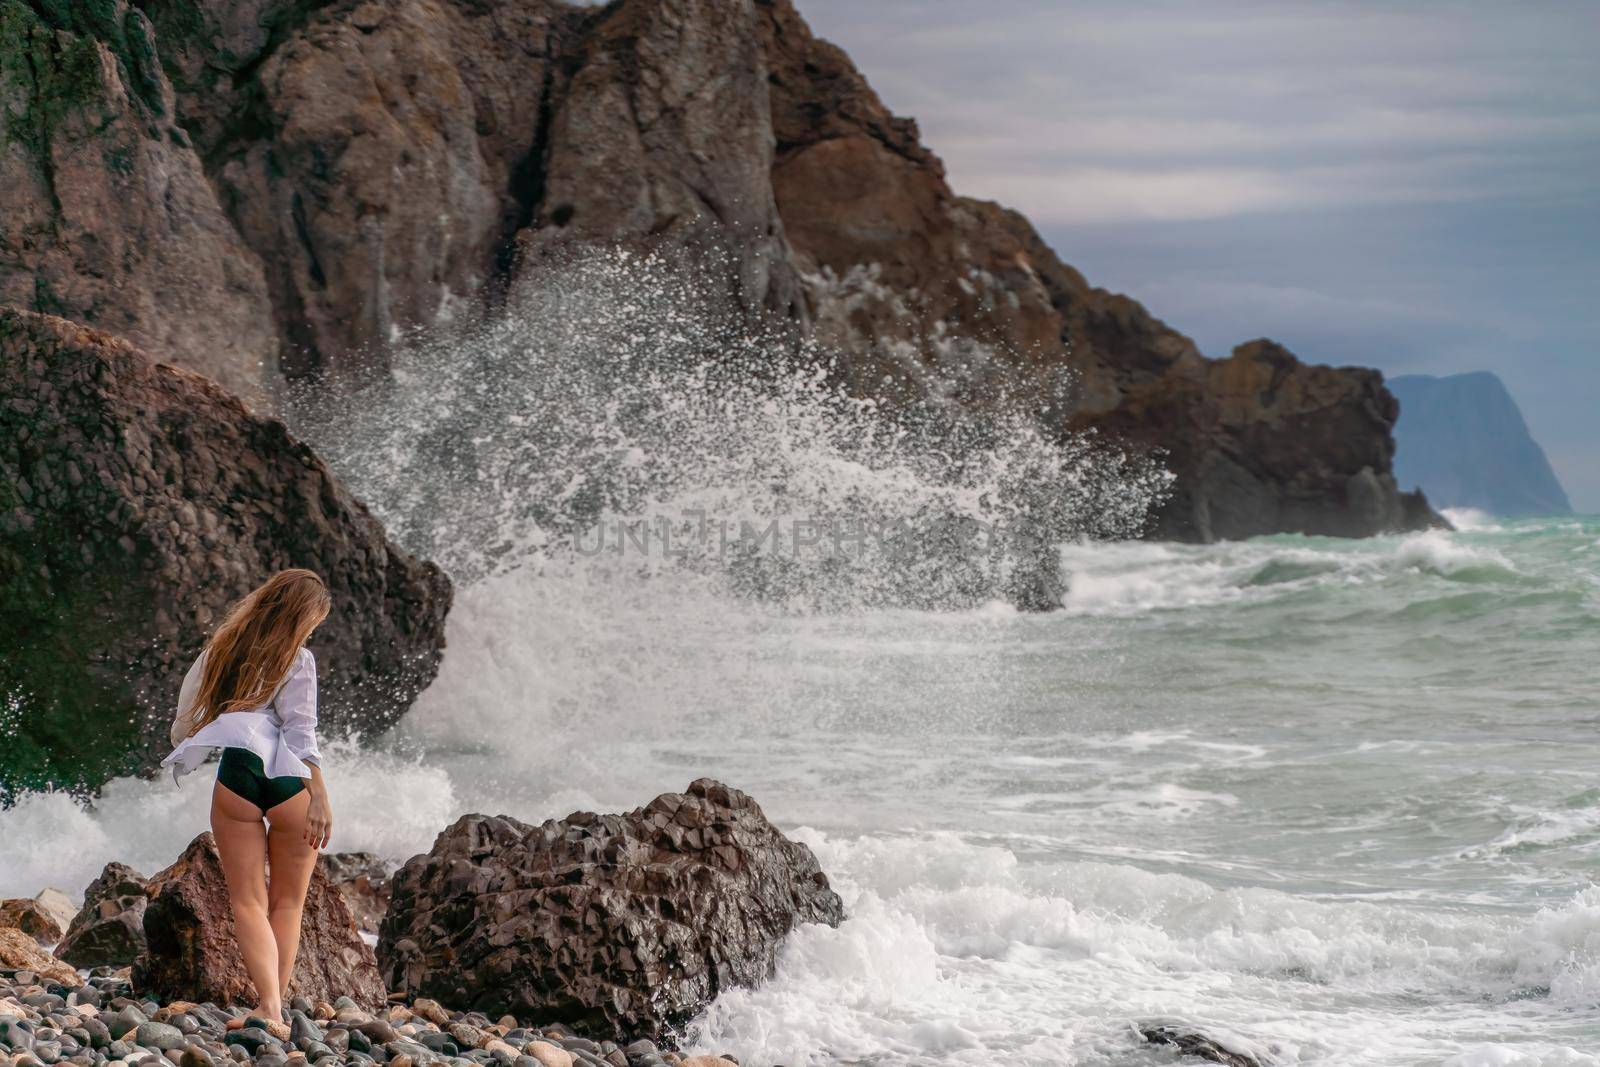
(280, 187)
(1462, 439)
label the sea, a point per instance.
(1328, 802)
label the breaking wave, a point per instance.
(620, 412)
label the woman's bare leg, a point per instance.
(293, 862)
(242, 843)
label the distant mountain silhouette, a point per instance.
(1463, 440)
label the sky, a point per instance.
(1413, 186)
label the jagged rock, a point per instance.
(136, 502)
(108, 930)
(191, 953)
(1196, 1045)
(43, 918)
(432, 111)
(621, 923)
(109, 216)
(20, 950)
(663, 131)
(363, 880)
(1261, 442)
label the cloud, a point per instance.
(1109, 111)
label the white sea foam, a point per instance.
(1471, 520)
(1134, 578)
(956, 953)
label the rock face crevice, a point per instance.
(137, 501)
(292, 184)
(109, 217)
(616, 924)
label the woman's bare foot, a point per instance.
(272, 1022)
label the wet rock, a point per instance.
(127, 487)
(108, 931)
(548, 1055)
(1196, 1045)
(619, 924)
(363, 879)
(192, 954)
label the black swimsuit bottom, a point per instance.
(243, 773)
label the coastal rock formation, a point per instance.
(1261, 442)
(389, 166)
(109, 929)
(622, 924)
(136, 502)
(956, 294)
(110, 218)
(1462, 440)
(191, 953)
(375, 157)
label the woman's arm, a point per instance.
(297, 711)
(296, 703)
(319, 816)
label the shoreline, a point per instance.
(103, 1023)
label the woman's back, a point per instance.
(281, 730)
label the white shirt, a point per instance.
(283, 731)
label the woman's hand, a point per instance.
(319, 816)
(319, 820)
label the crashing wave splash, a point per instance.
(619, 413)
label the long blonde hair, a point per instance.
(251, 652)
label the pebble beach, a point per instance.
(100, 1022)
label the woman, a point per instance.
(253, 694)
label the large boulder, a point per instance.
(108, 930)
(192, 954)
(136, 502)
(621, 924)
